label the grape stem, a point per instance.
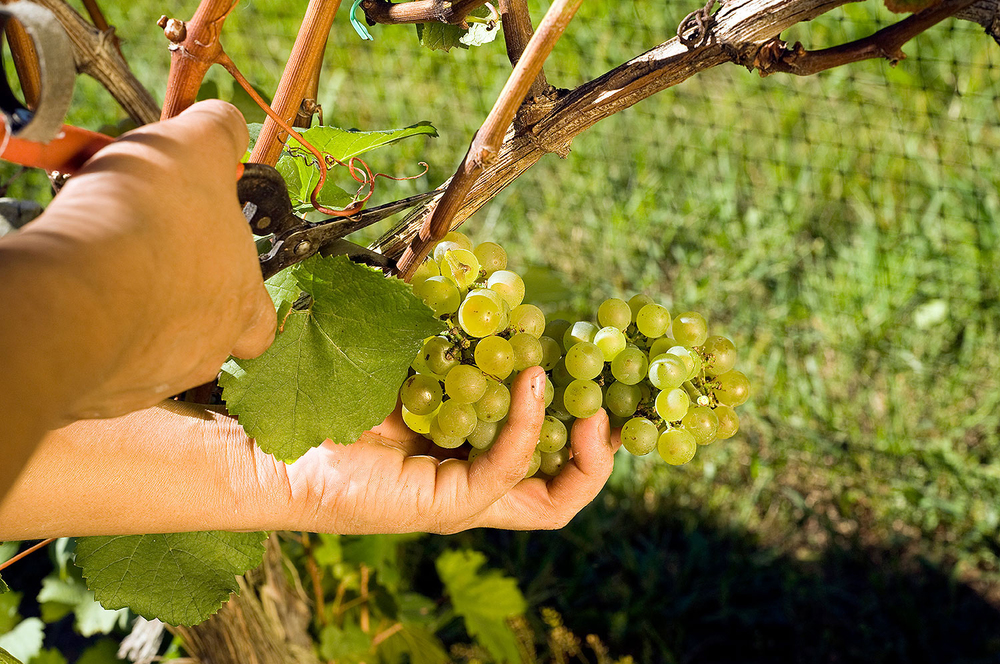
(692, 391)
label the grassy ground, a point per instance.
(843, 229)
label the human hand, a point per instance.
(151, 236)
(392, 480)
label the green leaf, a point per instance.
(413, 644)
(180, 578)
(48, 656)
(7, 658)
(335, 367)
(9, 617)
(4, 588)
(380, 553)
(485, 600)
(104, 651)
(344, 645)
(301, 178)
(24, 641)
(444, 36)
(59, 596)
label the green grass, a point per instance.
(843, 229)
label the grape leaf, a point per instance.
(444, 36)
(7, 658)
(25, 640)
(104, 651)
(48, 656)
(335, 366)
(3, 586)
(349, 644)
(413, 644)
(180, 578)
(62, 595)
(485, 600)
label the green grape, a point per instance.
(439, 355)
(479, 315)
(637, 302)
(459, 238)
(653, 320)
(527, 351)
(461, 266)
(614, 313)
(729, 422)
(560, 376)
(556, 329)
(455, 419)
(527, 318)
(579, 331)
(629, 366)
(419, 364)
(660, 346)
(492, 257)
(672, 405)
(509, 285)
(465, 384)
(441, 248)
(550, 392)
(667, 372)
(425, 271)
(442, 439)
(582, 398)
(495, 402)
(484, 434)
(419, 423)
(611, 341)
(584, 361)
(440, 294)
(551, 352)
(732, 388)
(696, 369)
(476, 452)
(676, 446)
(534, 464)
(420, 394)
(686, 356)
(552, 463)
(553, 435)
(495, 356)
(622, 399)
(720, 355)
(690, 329)
(702, 423)
(557, 407)
(639, 436)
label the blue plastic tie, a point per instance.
(359, 27)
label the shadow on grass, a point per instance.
(665, 586)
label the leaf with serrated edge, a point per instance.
(334, 368)
(179, 578)
(7, 658)
(440, 36)
(484, 599)
(25, 640)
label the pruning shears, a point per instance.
(37, 137)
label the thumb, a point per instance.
(259, 333)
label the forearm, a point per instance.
(170, 468)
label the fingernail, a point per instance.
(538, 386)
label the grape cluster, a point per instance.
(664, 380)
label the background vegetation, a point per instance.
(843, 229)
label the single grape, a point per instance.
(439, 355)
(653, 320)
(509, 285)
(639, 436)
(420, 394)
(527, 318)
(465, 384)
(442, 439)
(702, 423)
(484, 434)
(577, 332)
(667, 372)
(552, 463)
(637, 302)
(582, 398)
(440, 294)
(696, 369)
(419, 423)
(729, 422)
(553, 435)
(534, 464)
(690, 329)
(629, 366)
(686, 356)
(495, 356)
(720, 355)
(732, 388)
(558, 407)
(441, 248)
(614, 312)
(551, 352)
(556, 329)
(550, 392)
(527, 351)
(426, 270)
(611, 341)
(476, 452)
(492, 257)
(676, 446)
(495, 402)
(479, 315)
(622, 399)
(672, 405)
(455, 419)
(660, 346)
(419, 365)
(461, 266)
(584, 361)
(560, 376)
